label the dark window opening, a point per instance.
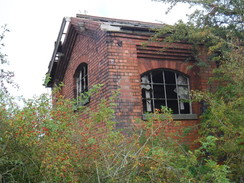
(81, 81)
(165, 88)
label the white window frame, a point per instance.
(81, 80)
(182, 91)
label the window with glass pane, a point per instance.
(165, 88)
(81, 79)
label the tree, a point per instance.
(215, 12)
(218, 25)
(6, 76)
(44, 143)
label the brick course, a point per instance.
(117, 59)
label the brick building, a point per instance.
(117, 53)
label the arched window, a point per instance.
(81, 81)
(165, 88)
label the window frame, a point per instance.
(81, 84)
(150, 84)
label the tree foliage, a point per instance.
(216, 24)
(218, 27)
(228, 13)
(6, 76)
(42, 143)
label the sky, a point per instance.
(34, 27)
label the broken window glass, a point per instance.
(81, 78)
(165, 88)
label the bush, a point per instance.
(44, 143)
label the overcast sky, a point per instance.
(34, 27)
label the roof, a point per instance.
(107, 24)
(121, 23)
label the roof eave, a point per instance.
(55, 54)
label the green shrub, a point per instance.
(44, 143)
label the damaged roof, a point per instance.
(120, 24)
(106, 24)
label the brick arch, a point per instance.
(79, 67)
(182, 67)
(166, 69)
(78, 61)
(75, 67)
(76, 73)
(148, 65)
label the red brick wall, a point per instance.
(124, 75)
(90, 48)
(112, 60)
(125, 69)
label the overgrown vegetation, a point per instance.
(218, 26)
(44, 143)
(6, 76)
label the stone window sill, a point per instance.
(179, 116)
